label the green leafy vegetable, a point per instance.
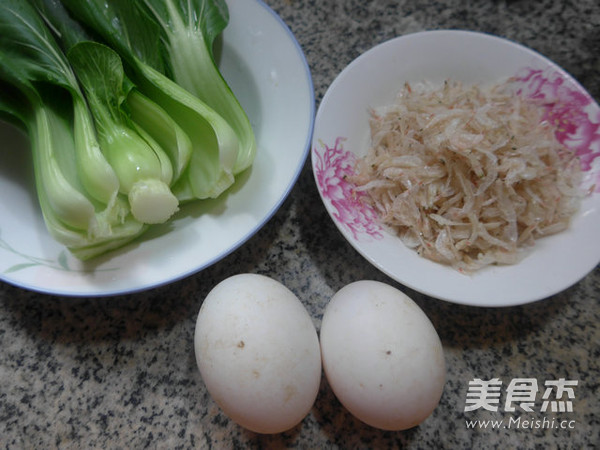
(140, 112)
(215, 145)
(189, 29)
(126, 111)
(77, 188)
(143, 168)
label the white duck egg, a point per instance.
(382, 356)
(258, 353)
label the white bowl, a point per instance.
(268, 72)
(341, 135)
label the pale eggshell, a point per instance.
(258, 353)
(382, 356)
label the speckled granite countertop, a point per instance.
(120, 372)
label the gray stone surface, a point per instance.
(119, 373)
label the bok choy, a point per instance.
(188, 30)
(76, 186)
(143, 168)
(121, 131)
(141, 113)
(125, 27)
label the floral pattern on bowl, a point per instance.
(573, 112)
(332, 167)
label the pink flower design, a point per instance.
(332, 167)
(570, 109)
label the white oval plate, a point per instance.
(341, 134)
(267, 70)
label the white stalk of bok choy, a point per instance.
(189, 29)
(142, 166)
(76, 186)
